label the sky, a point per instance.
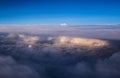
(74, 12)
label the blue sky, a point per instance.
(59, 11)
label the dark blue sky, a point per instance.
(59, 11)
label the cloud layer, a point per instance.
(57, 57)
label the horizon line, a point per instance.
(58, 24)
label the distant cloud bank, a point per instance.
(92, 31)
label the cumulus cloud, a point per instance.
(29, 39)
(83, 42)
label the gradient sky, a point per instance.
(59, 11)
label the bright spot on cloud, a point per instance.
(63, 24)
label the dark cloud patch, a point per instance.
(9, 68)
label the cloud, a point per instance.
(83, 42)
(47, 58)
(10, 69)
(29, 39)
(91, 31)
(109, 68)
